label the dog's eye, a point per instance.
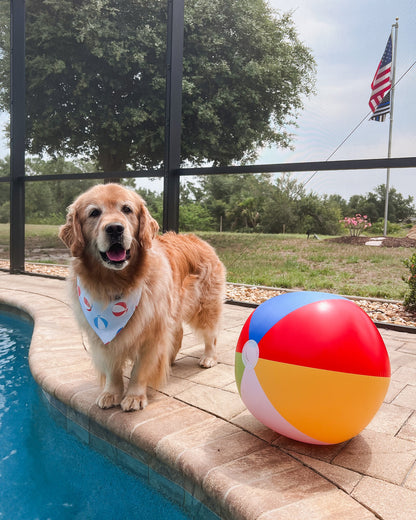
(126, 209)
(94, 213)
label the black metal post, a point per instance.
(173, 125)
(17, 136)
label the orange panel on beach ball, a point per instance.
(321, 395)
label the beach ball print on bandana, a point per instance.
(107, 321)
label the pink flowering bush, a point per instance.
(410, 297)
(356, 224)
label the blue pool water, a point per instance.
(46, 473)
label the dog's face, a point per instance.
(110, 223)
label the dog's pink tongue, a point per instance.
(116, 254)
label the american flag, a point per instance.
(381, 85)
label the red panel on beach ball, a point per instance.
(330, 334)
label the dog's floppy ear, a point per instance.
(148, 228)
(71, 233)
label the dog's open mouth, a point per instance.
(116, 255)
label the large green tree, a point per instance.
(96, 79)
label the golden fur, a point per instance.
(181, 277)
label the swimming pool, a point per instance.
(45, 472)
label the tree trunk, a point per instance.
(110, 161)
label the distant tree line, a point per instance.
(269, 204)
(243, 203)
(46, 201)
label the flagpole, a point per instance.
(393, 79)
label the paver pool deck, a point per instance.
(197, 433)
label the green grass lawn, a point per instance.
(287, 261)
(32, 230)
(294, 262)
(40, 235)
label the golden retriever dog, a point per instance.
(122, 270)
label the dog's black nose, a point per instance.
(114, 230)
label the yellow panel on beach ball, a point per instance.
(310, 398)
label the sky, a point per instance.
(347, 39)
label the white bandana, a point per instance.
(107, 321)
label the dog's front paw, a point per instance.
(108, 400)
(208, 361)
(134, 402)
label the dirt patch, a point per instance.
(386, 242)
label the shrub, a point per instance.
(356, 224)
(5, 212)
(378, 228)
(410, 297)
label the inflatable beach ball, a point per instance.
(312, 366)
